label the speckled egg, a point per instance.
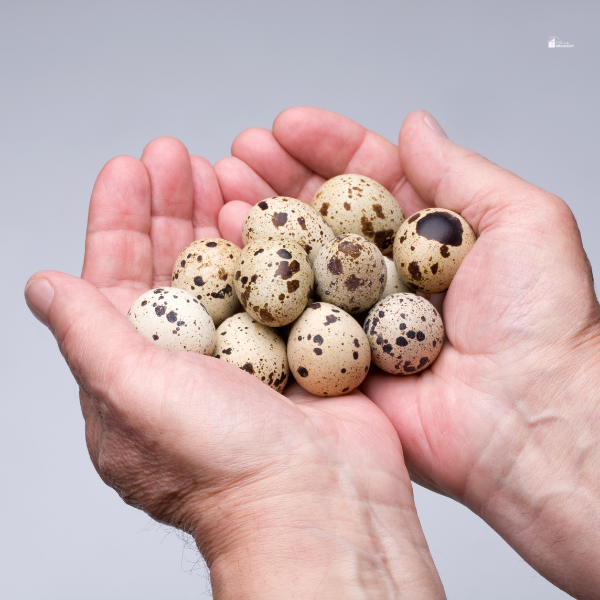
(405, 333)
(358, 204)
(287, 218)
(350, 272)
(393, 285)
(173, 319)
(328, 352)
(273, 280)
(206, 269)
(254, 348)
(429, 248)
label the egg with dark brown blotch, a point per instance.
(289, 218)
(254, 348)
(405, 333)
(273, 280)
(206, 268)
(328, 352)
(357, 204)
(430, 247)
(173, 319)
(350, 272)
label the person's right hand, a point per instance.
(507, 420)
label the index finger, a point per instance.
(330, 144)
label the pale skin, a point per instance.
(302, 497)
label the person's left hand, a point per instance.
(280, 492)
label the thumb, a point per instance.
(516, 217)
(449, 176)
(97, 341)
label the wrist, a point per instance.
(333, 541)
(546, 501)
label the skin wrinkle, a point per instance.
(168, 224)
(161, 158)
(308, 184)
(308, 181)
(471, 498)
(397, 188)
(137, 250)
(485, 204)
(321, 583)
(99, 220)
(99, 395)
(434, 192)
(539, 510)
(432, 484)
(242, 171)
(363, 137)
(534, 520)
(432, 449)
(358, 546)
(121, 284)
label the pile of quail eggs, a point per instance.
(308, 275)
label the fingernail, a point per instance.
(39, 295)
(434, 125)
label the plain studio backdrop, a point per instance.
(85, 81)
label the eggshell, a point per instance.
(405, 333)
(206, 269)
(254, 348)
(357, 204)
(350, 272)
(393, 285)
(173, 319)
(429, 248)
(288, 218)
(328, 352)
(273, 280)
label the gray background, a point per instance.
(83, 81)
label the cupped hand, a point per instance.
(276, 490)
(506, 419)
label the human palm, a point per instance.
(493, 421)
(194, 441)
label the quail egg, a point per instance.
(173, 319)
(350, 272)
(405, 333)
(328, 351)
(357, 204)
(429, 248)
(206, 269)
(273, 280)
(288, 218)
(254, 348)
